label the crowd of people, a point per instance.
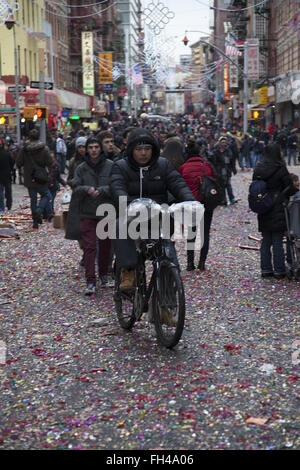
(169, 160)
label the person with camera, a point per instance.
(36, 160)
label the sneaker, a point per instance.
(234, 201)
(35, 225)
(267, 275)
(127, 279)
(167, 318)
(106, 281)
(90, 289)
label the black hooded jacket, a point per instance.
(153, 181)
(279, 184)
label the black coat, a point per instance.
(274, 220)
(154, 181)
(6, 165)
(87, 177)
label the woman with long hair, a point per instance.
(173, 152)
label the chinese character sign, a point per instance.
(253, 59)
(234, 73)
(87, 45)
(226, 78)
(105, 68)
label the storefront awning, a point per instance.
(75, 102)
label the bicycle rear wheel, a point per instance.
(168, 305)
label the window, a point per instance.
(19, 61)
(25, 62)
(34, 65)
(30, 66)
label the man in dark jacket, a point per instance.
(91, 185)
(272, 224)
(224, 163)
(35, 153)
(143, 173)
(6, 165)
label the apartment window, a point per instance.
(19, 61)
(34, 65)
(23, 11)
(30, 66)
(25, 62)
(33, 16)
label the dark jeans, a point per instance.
(292, 154)
(44, 205)
(274, 240)
(90, 240)
(61, 159)
(126, 253)
(229, 190)
(5, 189)
(208, 215)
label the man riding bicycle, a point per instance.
(143, 174)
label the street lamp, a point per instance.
(243, 71)
(10, 23)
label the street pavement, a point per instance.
(68, 382)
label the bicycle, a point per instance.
(164, 294)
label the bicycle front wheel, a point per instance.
(125, 310)
(168, 305)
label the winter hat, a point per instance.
(142, 136)
(80, 141)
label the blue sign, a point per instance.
(108, 88)
(65, 113)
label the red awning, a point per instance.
(32, 98)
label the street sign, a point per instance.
(7, 110)
(47, 85)
(12, 89)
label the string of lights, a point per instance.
(233, 10)
(95, 4)
(99, 12)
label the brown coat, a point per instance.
(39, 152)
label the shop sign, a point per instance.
(105, 68)
(87, 45)
(253, 59)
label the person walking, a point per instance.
(91, 184)
(6, 165)
(61, 152)
(192, 172)
(272, 225)
(73, 218)
(292, 145)
(36, 153)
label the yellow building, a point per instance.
(29, 21)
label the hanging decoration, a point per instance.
(157, 16)
(7, 10)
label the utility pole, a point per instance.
(17, 89)
(245, 128)
(42, 92)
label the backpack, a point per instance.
(209, 190)
(260, 199)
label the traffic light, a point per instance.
(257, 114)
(198, 56)
(3, 120)
(29, 112)
(41, 112)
